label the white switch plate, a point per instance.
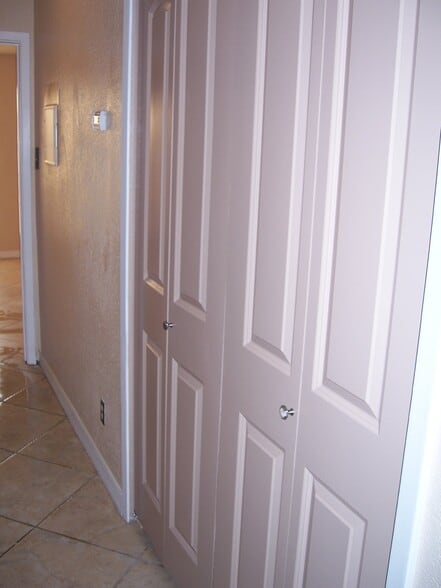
(101, 120)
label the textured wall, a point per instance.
(9, 232)
(17, 15)
(79, 51)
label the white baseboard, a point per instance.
(86, 439)
(10, 254)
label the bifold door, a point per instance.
(181, 306)
(283, 236)
(324, 288)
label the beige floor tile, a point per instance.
(4, 454)
(46, 560)
(149, 556)
(38, 395)
(35, 488)
(7, 352)
(61, 446)
(91, 516)
(11, 340)
(13, 381)
(10, 321)
(147, 576)
(10, 533)
(19, 426)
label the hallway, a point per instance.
(58, 526)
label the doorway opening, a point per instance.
(11, 339)
(18, 46)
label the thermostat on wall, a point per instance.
(101, 120)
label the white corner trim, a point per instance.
(86, 439)
(128, 221)
(10, 254)
(421, 457)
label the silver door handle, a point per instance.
(167, 325)
(285, 412)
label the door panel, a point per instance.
(331, 539)
(185, 457)
(153, 408)
(184, 259)
(196, 305)
(255, 537)
(352, 425)
(359, 203)
(156, 70)
(193, 156)
(266, 275)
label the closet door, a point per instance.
(154, 187)
(196, 303)
(373, 133)
(325, 279)
(184, 284)
(267, 113)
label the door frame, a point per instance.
(128, 225)
(423, 435)
(26, 191)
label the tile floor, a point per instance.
(58, 526)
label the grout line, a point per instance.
(65, 501)
(84, 541)
(32, 528)
(61, 465)
(38, 437)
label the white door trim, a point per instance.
(421, 457)
(128, 212)
(26, 188)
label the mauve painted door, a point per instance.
(328, 242)
(155, 160)
(184, 229)
(196, 305)
(267, 280)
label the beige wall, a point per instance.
(79, 51)
(17, 15)
(9, 230)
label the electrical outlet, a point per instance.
(102, 412)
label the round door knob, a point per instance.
(285, 412)
(167, 325)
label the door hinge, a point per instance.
(37, 157)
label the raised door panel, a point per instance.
(351, 436)
(193, 153)
(254, 546)
(266, 278)
(159, 41)
(154, 181)
(186, 398)
(361, 161)
(331, 538)
(152, 404)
